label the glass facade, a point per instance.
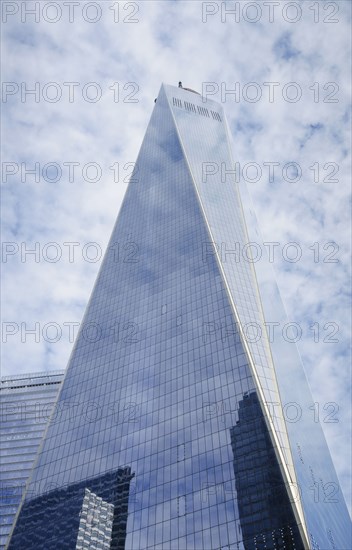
(26, 402)
(166, 384)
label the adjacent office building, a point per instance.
(26, 402)
(172, 422)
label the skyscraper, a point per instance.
(26, 403)
(174, 378)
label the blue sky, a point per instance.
(96, 82)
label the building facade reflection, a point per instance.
(90, 514)
(265, 511)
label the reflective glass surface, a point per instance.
(211, 165)
(161, 383)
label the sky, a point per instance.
(78, 86)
